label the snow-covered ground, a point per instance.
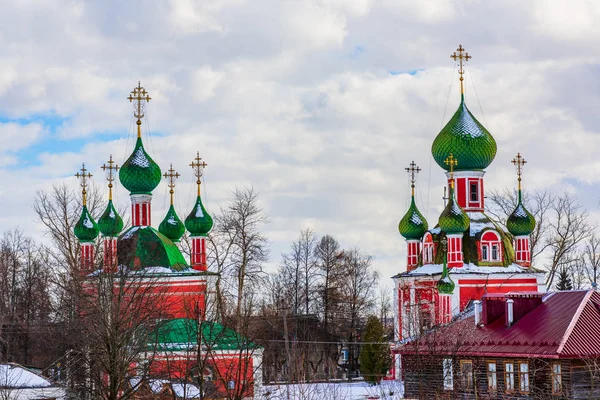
(386, 390)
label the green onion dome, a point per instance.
(171, 226)
(140, 174)
(520, 222)
(467, 140)
(110, 223)
(413, 225)
(143, 247)
(199, 222)
(445, 285)
(453, 219)
(86, 229)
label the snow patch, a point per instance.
(199, 213)
(172, 220)
(87, 222)
(416, 219)
(385, 390)
(14, 376)
(111, 214)
(469, 268)
(130, 232)
(139, 159)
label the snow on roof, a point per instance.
(186, 391)
(15, 376)
(470, 268)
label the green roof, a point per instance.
(143, 246)
(86, 229)
(110, 223)
(171, 226)
(520, 222)
(470, 143)
(445, 285)
(140, 174)
(179, 333)
(453, 219)
(413, 225)
(199, 222)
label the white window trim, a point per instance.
(448, 374)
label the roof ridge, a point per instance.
(574, 320)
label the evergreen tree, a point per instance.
(564, 280)
(375, 358)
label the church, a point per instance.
(467, 254)
(185, 342)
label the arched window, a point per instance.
(490, 248)
(427, 248)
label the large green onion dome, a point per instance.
(110, 223)
(171, 226)
(453, 219)
(143, 247)
(413, 225)
(199, 222)
(140, 174)
(467, 139)
(86, 229)
(520, 222)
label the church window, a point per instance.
(474, 192)
(490, 248)
(427, 249)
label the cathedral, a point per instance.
(152, 257)
(466, 254)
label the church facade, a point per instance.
(185, 343)
(467, 254)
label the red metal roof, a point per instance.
(566, 324)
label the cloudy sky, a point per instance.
(319, 104)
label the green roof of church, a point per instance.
(199, 222)
(413, 225)
(180, 333)
(143, 246)
(110, 223)
(86, 229)
(466, 139)
(171, 226)
(520, 222)
(140, 174)
(453, 219)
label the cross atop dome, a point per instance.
(462, 55)
(413, 170)
(519, 162)
(198, 166)
(140, 95)
(451, 162)
(110, 168)
(84, 176)
(171, 175)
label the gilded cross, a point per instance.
(171, 175)
(139, 95)
(198, 166)
(519, 162)
(461, 55)
(413, 170)
(451, 162)
(84, 176)
(110, 167)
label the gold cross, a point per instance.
(198, 165)
(110, 169)
(84, 176)
(140, 95)
(412, 170)
(171, 175)
(462, 55)
(451, 162)
(519, 162)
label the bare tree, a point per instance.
(328, 256)
(591, 260)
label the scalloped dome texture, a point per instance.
(413, 225)
(143, 246)
(468, 141)
(110, 223)
(453, 219)
(445, 285)
(199, 222)
(140, 174)
(171, 226)
(520, 222)
(86, 229)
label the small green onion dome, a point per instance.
(467, 140)
(140, 174)
(445, 285)
(413, 225)
(520, 222)
(110, 223)
(171, 226)
(453, 219)
(199, 222)
(86, 229)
